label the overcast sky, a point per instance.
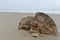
(29, 5)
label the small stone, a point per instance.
(35, 35)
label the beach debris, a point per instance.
(40, 24)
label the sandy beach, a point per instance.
(9, 27)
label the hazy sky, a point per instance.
(29, 5)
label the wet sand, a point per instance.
(9, 27)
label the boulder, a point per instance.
(40, 24)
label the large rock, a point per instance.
(41, 24)
(46, 24)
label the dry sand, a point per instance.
(9, 27)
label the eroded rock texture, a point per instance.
(25, 23)
(40, 24)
